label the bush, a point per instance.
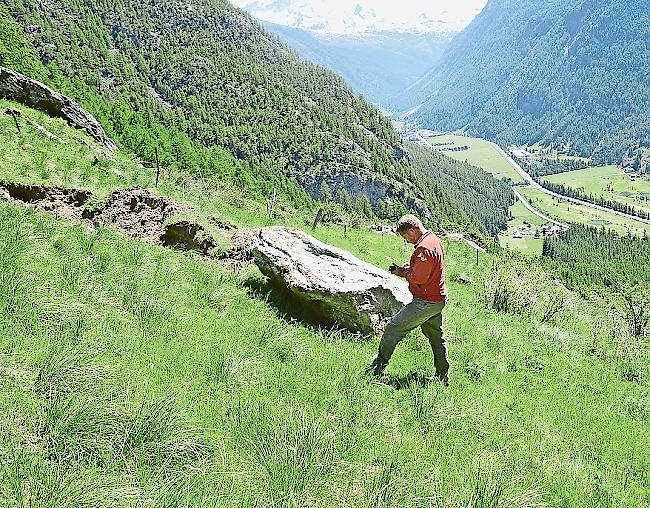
(513, 285)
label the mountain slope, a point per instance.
(202, 82)
(136, 375)
(573, 74)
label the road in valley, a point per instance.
(532, 183)
(539, 214)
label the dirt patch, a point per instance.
(68, 203)
(135, 212)
(187, 236)
(138, 213)
(241, 252)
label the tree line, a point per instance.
(597, 200)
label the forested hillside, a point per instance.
(222, 97)
(570, 74)
(589, 256)
(475, 189)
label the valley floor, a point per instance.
(608, 182)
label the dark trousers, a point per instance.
(428, 316)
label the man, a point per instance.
(425, 273)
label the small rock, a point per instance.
(461, 278)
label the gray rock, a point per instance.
(337, 287)
(373, 186)
(34, 94)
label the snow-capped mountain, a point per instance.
(356, 17)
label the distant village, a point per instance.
(414, 135)
(529, 230)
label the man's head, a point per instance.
(410, 228)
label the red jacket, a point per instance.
(425, 272)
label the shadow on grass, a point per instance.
(415, 377)
(292, 310)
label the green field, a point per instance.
(609, 182)
(132, 375)
(570, 212)
(481, 153)
(527, 244)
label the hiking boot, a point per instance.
(376, 367)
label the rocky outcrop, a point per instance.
(34, 94)
(373, 188)
(340, 289)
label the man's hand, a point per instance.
(393, 268)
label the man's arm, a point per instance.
(418, 271)
(401, 270)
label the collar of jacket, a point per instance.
(424, 235)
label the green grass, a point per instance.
(570, 212)
(155, 375)
(32, 158)
(527, 245)
(609, 182)
(133, 375)
(481, 153)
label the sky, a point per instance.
(360, 16)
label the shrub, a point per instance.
(513, 285)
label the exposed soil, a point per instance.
(187, 236)
(68, 203)
(135, 212)
(139, 213)
(241, 251)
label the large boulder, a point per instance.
(337, 287)
(34, 94)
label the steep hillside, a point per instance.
(222, 98)
(135, 375)
(571, 74)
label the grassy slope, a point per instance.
(481, 154)
(132, 375)
(596, 181)
(580, 214)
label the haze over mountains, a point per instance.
(570, 74)
(354, 17)
(379, 48)
(376, 65)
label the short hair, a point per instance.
(409, 222)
